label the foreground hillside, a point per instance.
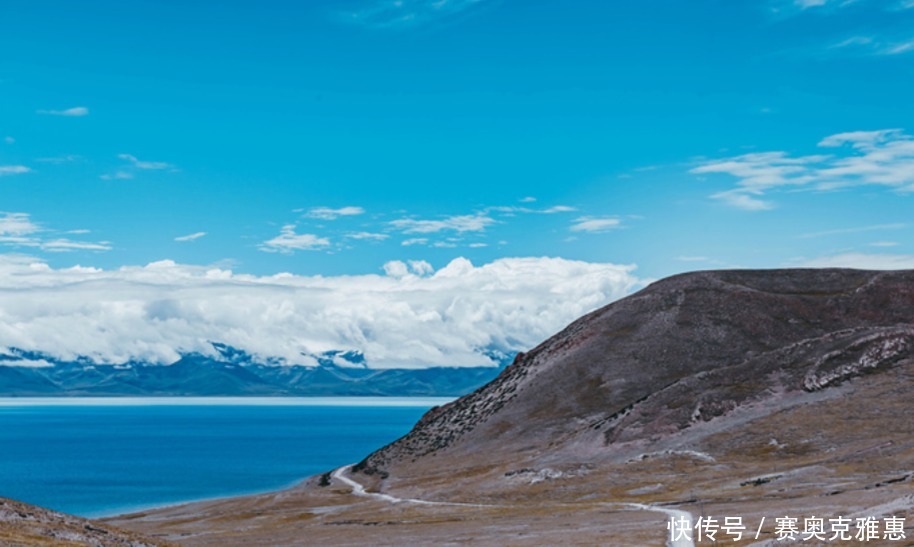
(27, 525)
(751, 394)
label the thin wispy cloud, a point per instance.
(837, 4)
(873, 40)
(877, 158)
(9, 140)
(117, 175)
(56, 160)
(558, 209)
(456, 223)
(190, 237)
(134, 165)
(370, 236)
(445, 231)
(398, 14)
(64, 245)
(326, 213)
(899, 48)
(13, 170)
(515, 209)
(140, 164)
(17, 230)
(805, 4)
(594, 225)
(853, 41)
(75, 112)
(288, 242)
(868, 45)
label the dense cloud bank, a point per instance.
(412, 316)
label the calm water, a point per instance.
(101, 457)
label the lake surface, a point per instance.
(95, 457)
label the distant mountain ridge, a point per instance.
(232, 372)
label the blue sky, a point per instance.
(329, 138)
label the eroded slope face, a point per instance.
(685, 351)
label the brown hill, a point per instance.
(683, 351)
(29, 526)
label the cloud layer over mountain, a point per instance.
(411, 317)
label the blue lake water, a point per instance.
(107, 456)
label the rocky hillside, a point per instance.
(683, 351)
(30, 526)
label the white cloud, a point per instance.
(414, 241)
(13, 170)
(559, 209)
(421, 267)
(595, 225)
(139, 164)
(16, 224)
(884, 244)
(456, 223)
(880, 158)
(63, 245)
(9, 140)
(447, 317)
(528, 199)
(27, 363)
(396, 268)
(863, 261)
(372, 236)
(407, 13)
(288, 241)
(326, 213)
(191, 237)
(76, 111)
